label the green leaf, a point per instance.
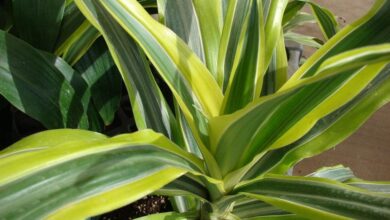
(276, 74)
(291, 113)
(338, 173)
(326, 20)
(99, 71)
(71, 21)
(373, 186)
(38, 23)
(244, 59)
(252, 208)
(232, 47)
(303, 39)
(273, 12)
(191, 82)
(180, 16)
(298, 20)
(96, 176)
(368, 30)
(318, 198)
(210, 17)
(43, 140)
(149, 107)
(41, 85)
(292, 10)
(332, 129)
(185, 186)
(78, 43)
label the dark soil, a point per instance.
(145, 206)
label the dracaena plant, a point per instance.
(236, 127)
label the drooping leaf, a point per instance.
(293, 8)
(96, 176)
(318, 198)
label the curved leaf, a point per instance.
(190, 81)
(326, 20)
(330, 130)
(283, 118)
(149, 106)
(318, 198)
(80, 179)
(368, 30)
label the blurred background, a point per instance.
(367, 152)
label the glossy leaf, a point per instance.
(303, 39)
(233, 35)
(79, 43)
(326, 20)
(149, 107)
(368, 30)
(180, 16)
(103, 78)
(333, 128)
(38, 23)
(200, 86)
(276, 74)
(211, 18)
(273, 12)
(318, 198)
(300, 19)
(331, 91)
(244, 58)
(50, 98)
(91, 172)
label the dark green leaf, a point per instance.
(38, 22)
(99, 71)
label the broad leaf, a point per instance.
(41, 85)
(318, 198)
(102, 76)
(369, 30)
(291, 113)
(38, 22)
(117, 171)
